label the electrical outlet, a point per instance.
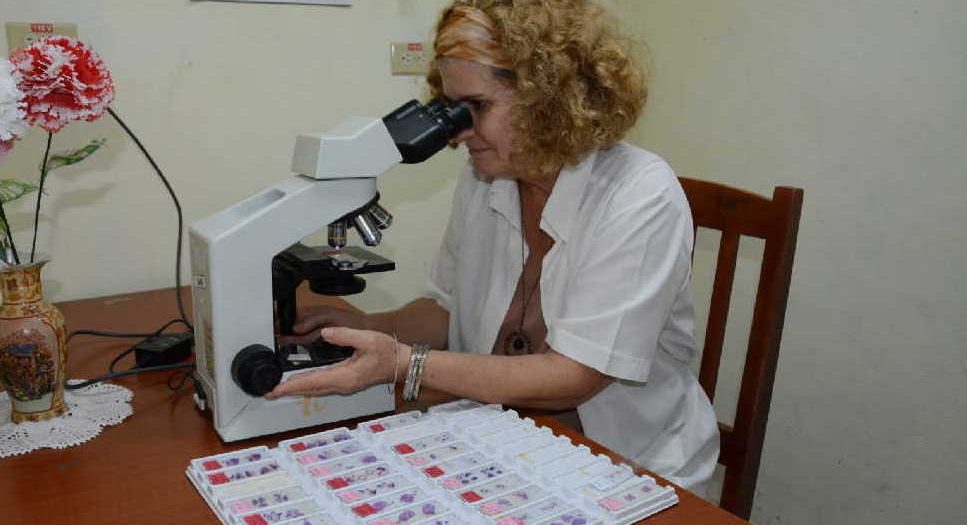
(21, 34)
(410, 58)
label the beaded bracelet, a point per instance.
(414, 375)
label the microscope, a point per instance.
(248, 260)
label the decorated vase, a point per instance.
(33, 346)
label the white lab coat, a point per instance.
(614, 295)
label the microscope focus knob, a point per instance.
(256, 370)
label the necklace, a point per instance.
(517, 342)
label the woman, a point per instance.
(563, 278)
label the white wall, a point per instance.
(218, 92)
(863, 104)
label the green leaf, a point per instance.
(12, 189)
(66, 158)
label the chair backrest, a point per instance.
(736, 213)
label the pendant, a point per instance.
(517, 343)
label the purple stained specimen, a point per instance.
(369, 459)
(379, 505)
(571, 519)
(428, 509)
(408, 498)
(407, 515)
(493, 471)
(467, 477)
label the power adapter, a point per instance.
(163, 349)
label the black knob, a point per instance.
(256, 370)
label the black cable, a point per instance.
(112, 373)
(8, 234)
(131, 371)
(181, 307)
(40, 192)
(117, 358)
(122, 335)
(185, 374)
(100, 333)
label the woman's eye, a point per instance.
(478, 104)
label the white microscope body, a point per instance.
(231, 261)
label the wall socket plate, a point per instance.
(410, 58)
(21, 34)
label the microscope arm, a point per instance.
(232, 252)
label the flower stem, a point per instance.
(40, 194)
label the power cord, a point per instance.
(174, 198)
(132, 371)
(183, 368)
(112, 373)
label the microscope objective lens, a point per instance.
(367, 230)
(382, 218)
(337, 234)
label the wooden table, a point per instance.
(133, 472)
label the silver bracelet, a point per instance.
(417, 354)
(419, 372)
(414, 375)
(396, 360)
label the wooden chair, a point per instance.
(737, 213)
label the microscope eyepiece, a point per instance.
(459, 117)
(420, 131)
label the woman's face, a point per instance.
(490, 101)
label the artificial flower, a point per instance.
(12, 114)
(48, 83)
(62, 80)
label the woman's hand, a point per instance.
(372, 363)
(311, 319)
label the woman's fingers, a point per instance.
(300, 384)
(303, 339)
(365, 340)
(322, 382)
(366, 367)
(311, 319)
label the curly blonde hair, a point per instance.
(578, 88)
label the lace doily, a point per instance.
(89, 410)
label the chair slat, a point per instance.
(738, 213)
(718, 315)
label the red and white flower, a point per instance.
(62, 80)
